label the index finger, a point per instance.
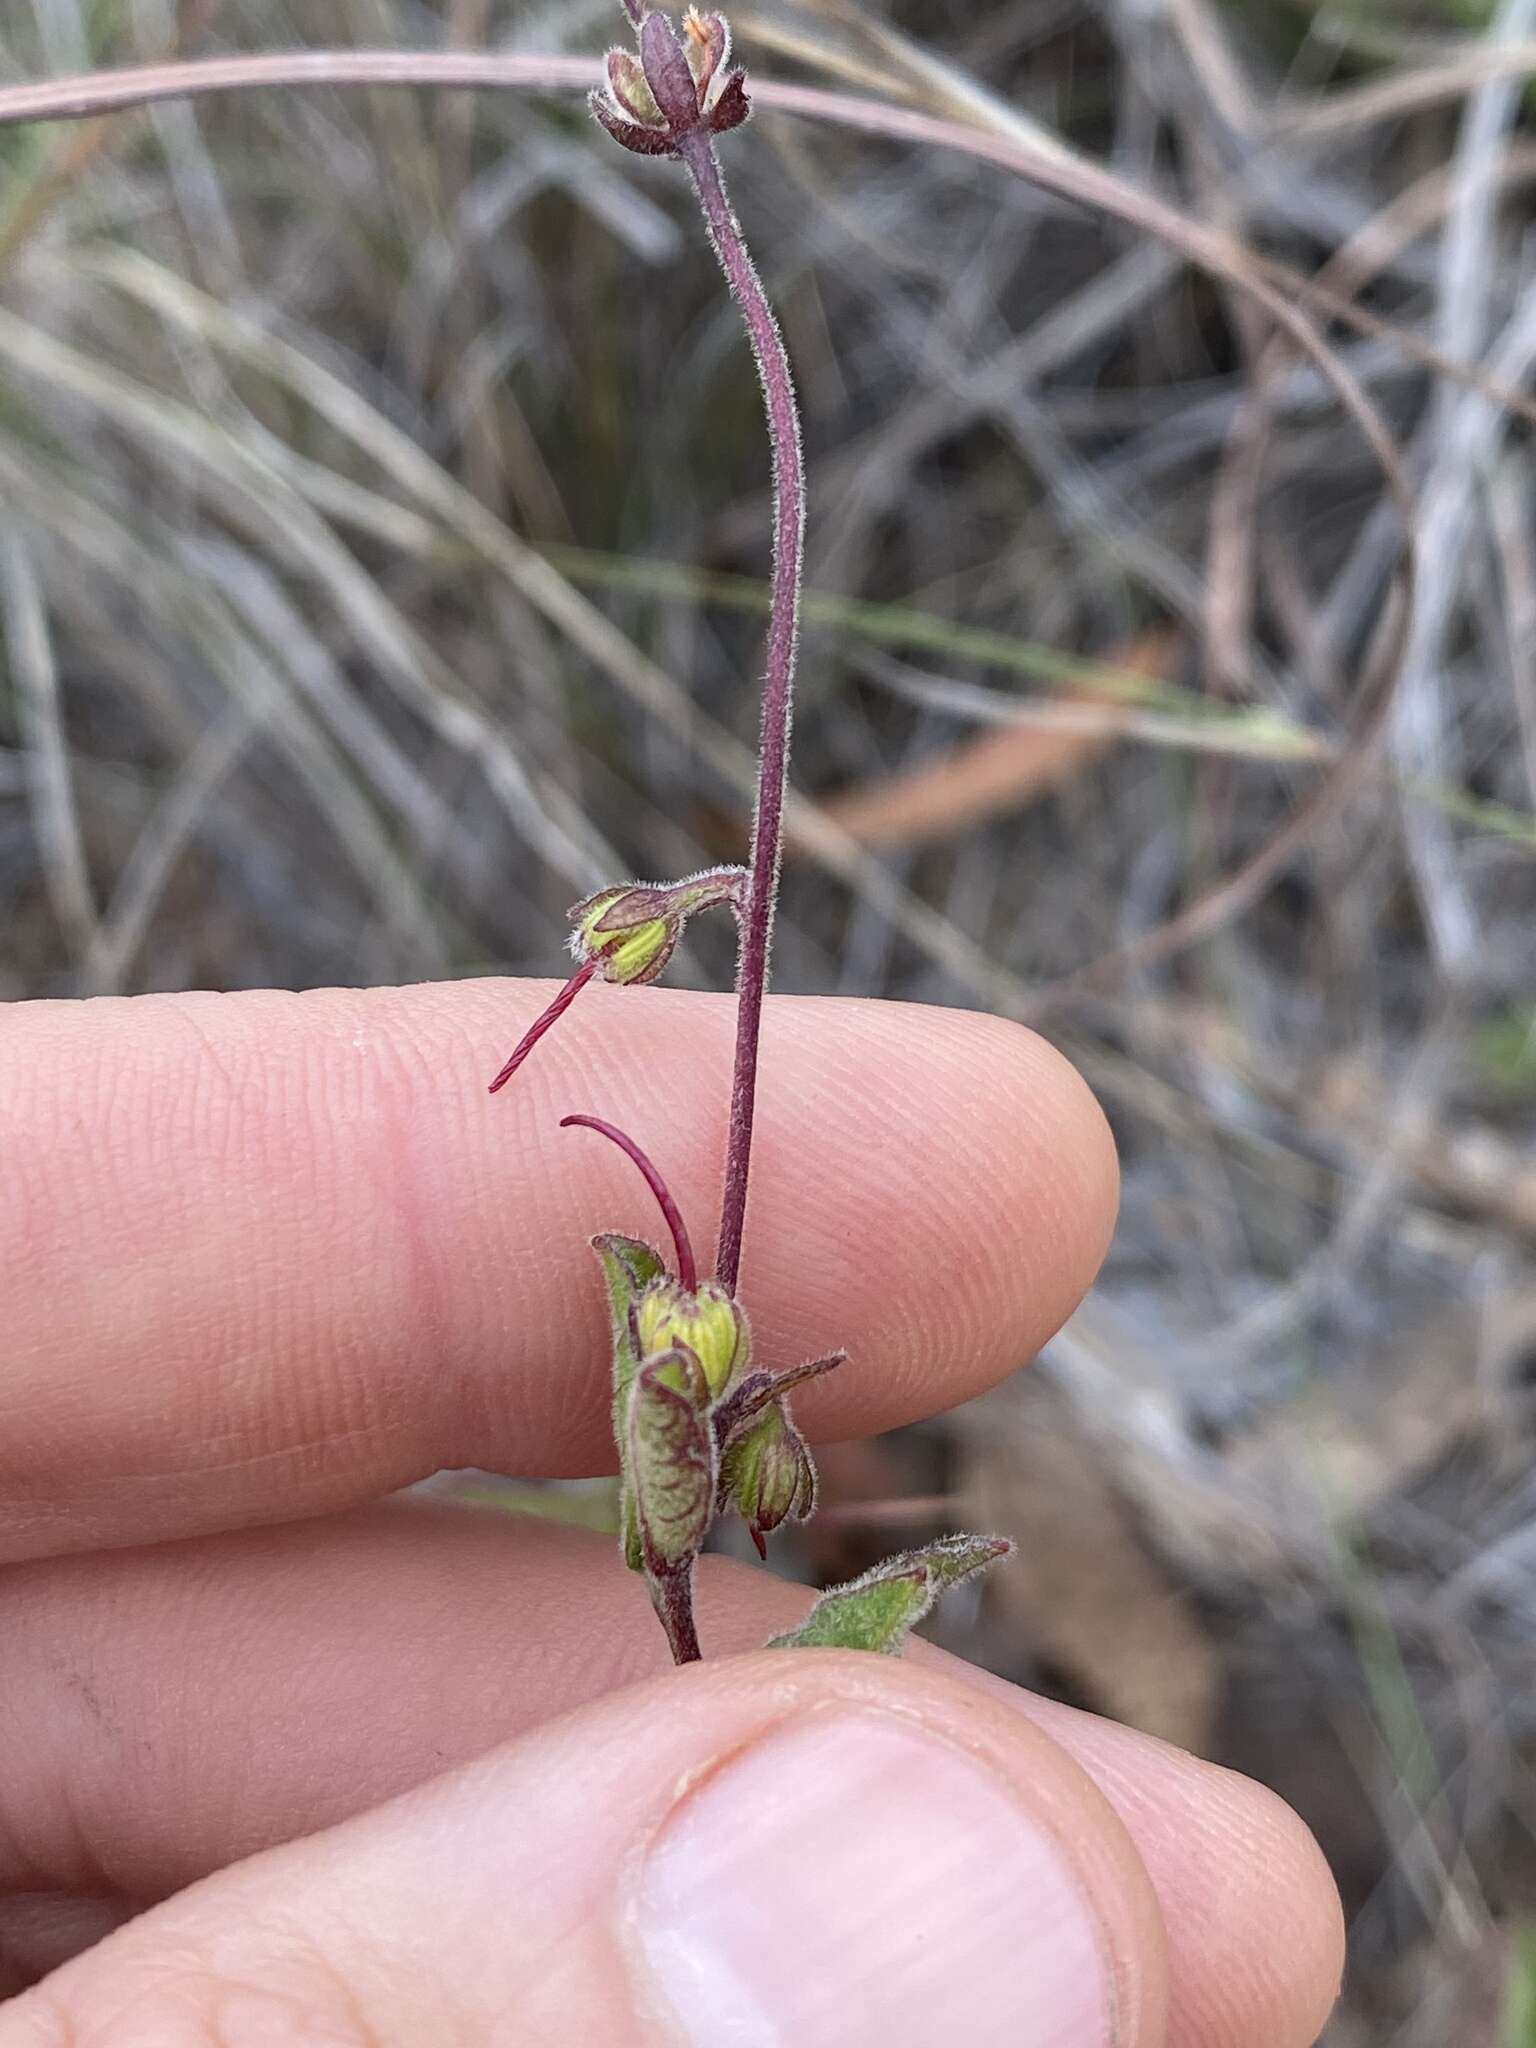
(264, 1255)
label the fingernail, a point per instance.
(854, 1880)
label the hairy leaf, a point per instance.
(877, 1611)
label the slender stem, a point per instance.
(672, 1598)
(778, 685)
(687, 1270)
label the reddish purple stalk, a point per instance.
(773, 371)
(552, 1015)
(672, 1598)
(687, 1269)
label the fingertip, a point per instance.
(1055, 1169)
(1256, 1922)
(1272, 1932)
(973, 1208)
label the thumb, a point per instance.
(798, 1847)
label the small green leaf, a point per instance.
(953, 1558)
(671, 1462)
(876, 1612)
(873, 1613)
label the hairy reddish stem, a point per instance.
(687, 1269)
(672, 1597)
(783, 414)
(540, 1025)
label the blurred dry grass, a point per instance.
(382, 558)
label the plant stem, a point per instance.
(672, 1597)
(778, 685)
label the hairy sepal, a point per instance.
(671, 1460)
(629, 1266)
(767, 1473)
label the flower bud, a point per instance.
(638, 953)
(628, 933)
(768, 1474)
(674, 90)
(708, 1324)
(633, 929)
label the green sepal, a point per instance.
(767, 1473)
(629, 1266)
(629, 1529)
(877, 1611)
(671, 1463)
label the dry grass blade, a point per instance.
(1070, 177)
(468, 71)
(1000, 771)
(146, 874)
(537, 580)
(1391, 99)
(35, 679)
(140, 85)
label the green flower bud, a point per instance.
(708, 1324)
(768, 1474)
(636, 953)
(630, 931)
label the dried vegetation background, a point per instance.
(382, 567)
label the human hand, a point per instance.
(406, 1775)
